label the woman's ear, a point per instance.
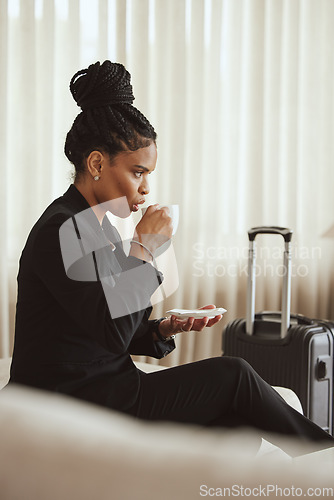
(94, 163)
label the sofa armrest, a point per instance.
(4, 371)
(290, 397)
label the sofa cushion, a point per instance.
(54, 447)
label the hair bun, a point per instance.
(102, 85)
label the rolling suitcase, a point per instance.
(288, 350)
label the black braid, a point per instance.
(108, 121)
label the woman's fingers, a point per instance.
(214, 320)
(182, 325)
(191, 323)
(201, 323)
(154, 228)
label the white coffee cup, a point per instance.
(173, 213)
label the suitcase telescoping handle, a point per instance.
(286, 289)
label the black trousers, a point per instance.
(223, 392)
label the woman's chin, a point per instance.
(119, 207)
(122, 214)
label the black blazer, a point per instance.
(69, 337)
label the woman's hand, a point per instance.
(172, 325)
(154, 229)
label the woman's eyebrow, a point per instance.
(144, 168)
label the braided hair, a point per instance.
(108, 121)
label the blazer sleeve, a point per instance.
(107, 306)
(143, 344)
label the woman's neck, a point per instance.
(87, 193)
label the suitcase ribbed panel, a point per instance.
(275, 362)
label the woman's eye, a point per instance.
(138, 174)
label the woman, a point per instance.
(83, 305)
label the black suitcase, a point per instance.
(288, 350)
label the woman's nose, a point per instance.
(144, 187)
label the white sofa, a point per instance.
(53, 447)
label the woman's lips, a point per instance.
(135, 206)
